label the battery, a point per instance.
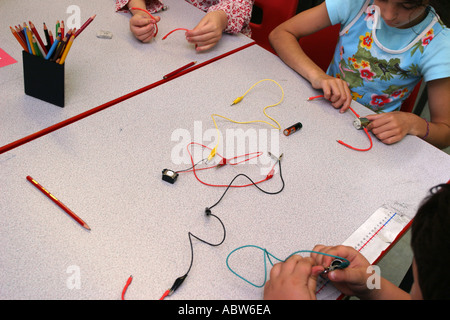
(292, 129)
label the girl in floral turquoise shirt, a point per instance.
(385, 48)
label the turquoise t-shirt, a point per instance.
(382, 64)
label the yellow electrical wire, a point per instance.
(239, 99)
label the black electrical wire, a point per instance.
(180, 280)
(244, 175)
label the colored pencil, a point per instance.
(52, 49)
(66, 50)
(25, 31)
(85, 25)
(50, 34)
(20, 34)
(62, 27)
(38, 37)
(19, 39)
(179, 70)
(47, 37)
(59, 203)
(37, 51)
(59, 49)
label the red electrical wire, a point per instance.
(316, 97)
(126, 287)
(340, 141)
(223, 162)
(156, 26)
(174, 31)
(368, 135)
(165, 295)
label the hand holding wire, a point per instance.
(362, 127)
(142, 28)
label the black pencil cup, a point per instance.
(43, 79)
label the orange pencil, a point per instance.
(59, 203)
(20, 33)
(19, 39)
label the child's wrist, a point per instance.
(420, 126)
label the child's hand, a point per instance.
(335, 90)
(294, 279)
(143, 27)
(209, 30)
(350, 281)
(390, 127)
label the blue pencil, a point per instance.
(27, 40)
(52, 49)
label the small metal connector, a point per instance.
(336, 264)
(360, 123)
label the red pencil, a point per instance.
(179, 70)
(62, 27)
(59, 203)
(85, 25)
(50, 34)
(38, 37)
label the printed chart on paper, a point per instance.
(371, 239)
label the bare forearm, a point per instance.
(437, 134)
(386, 291)
(289, 50)
(439, 106)
(136, 4)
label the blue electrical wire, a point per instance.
(267, 256)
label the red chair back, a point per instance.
(274, 12)
(320, 46)
(409, 103)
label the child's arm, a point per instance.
(439, 105)
(208, 31)
(230, 16)
(285, 40)
(394, 126)
(141, 24)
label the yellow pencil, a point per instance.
(30, 39)
(66, 50)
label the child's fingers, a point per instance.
(144, 35)
(143, 22)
